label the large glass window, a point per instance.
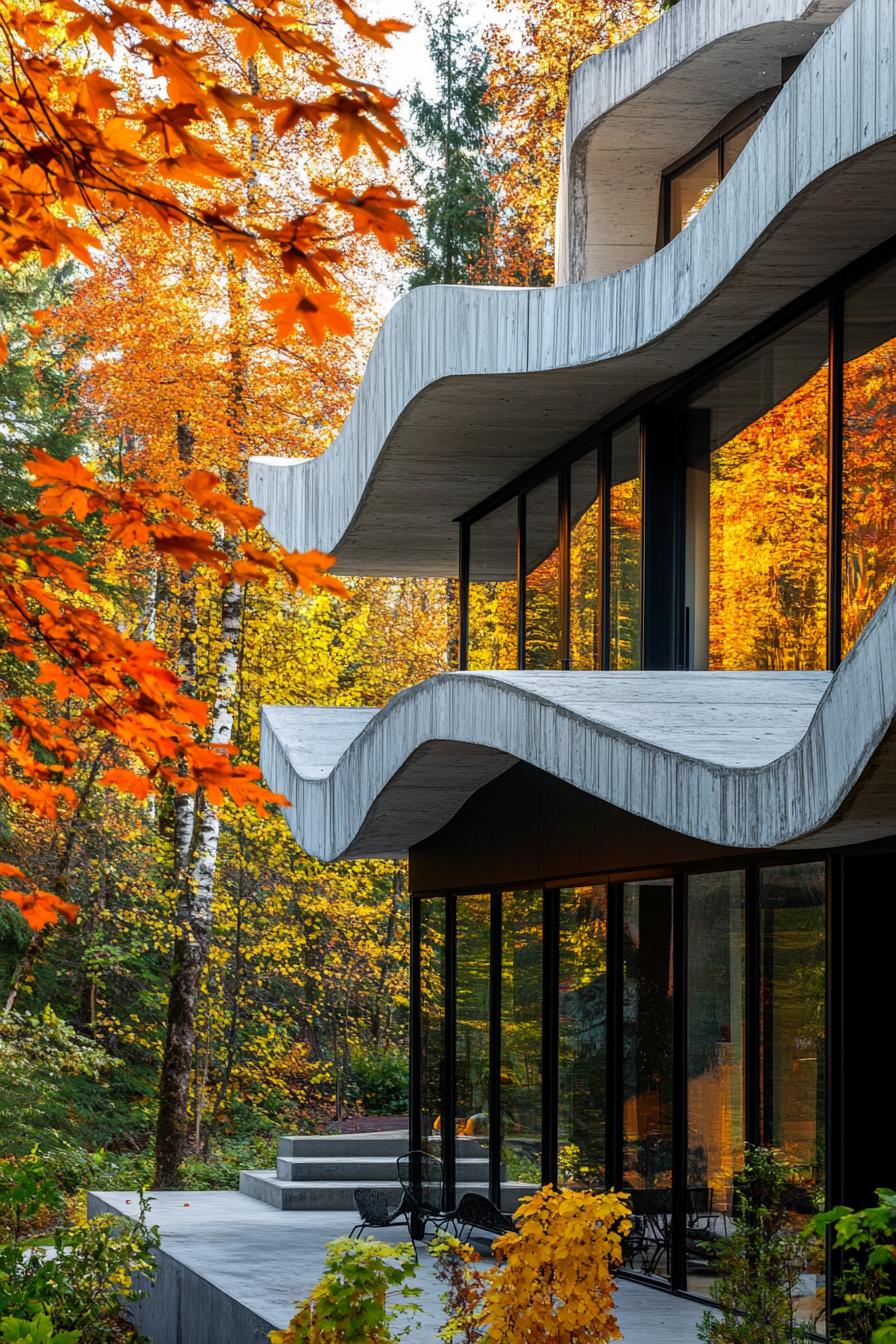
(869, 449)
(716, 1007)
(756, 563)
(584, 563)
(543, 576)
(472, 998)
(432, 1018)
(625, 547)
(647, 1069)
(521, 1018)
(689, 187)
(582, 1044)
(792, 1035)
(492, 640)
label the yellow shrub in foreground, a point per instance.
(553, 1283)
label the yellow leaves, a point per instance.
(380, 32)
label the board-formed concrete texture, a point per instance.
(632, 112)
(466, 387)
(231, 1268)
(745, 759)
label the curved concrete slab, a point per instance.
(466, 387)
(632, 112)
(743, 759)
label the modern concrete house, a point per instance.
(651, 819)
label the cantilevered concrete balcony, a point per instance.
(742, 759)
(467, 387)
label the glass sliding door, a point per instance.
(522, 1013)
(647, 1031)
(625, 547)
(716, 1012)
(492, 600)
(869, 449)
(792, 902)
(582, 1038)
(471, 1111)
(543, 576)
(432, 1020)
(585, 564)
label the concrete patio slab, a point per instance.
(230, 1269)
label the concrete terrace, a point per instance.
(231, 1267)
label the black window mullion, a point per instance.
(463, 605)
(614, 1098)
(678, 1258)
(550, 965)
(835, 1082)
(564, 550)
(521, 582)
(753, 1008)
(835, 478)
(449, 1105)
(494, 1049)
(415, 1100)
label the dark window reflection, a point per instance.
(521, 1019)
(792, 1030)
(584, 564)
(492, 639)
(647, 1070)
(472, 1054)
(869, 449)
(432, 1019)
(691, 188)
(542, 576)
(582, 1049)
(715, 1062)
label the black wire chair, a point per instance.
(422, 1180)
(476, 1212)
(376, 1211)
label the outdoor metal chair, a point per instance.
(422, 1180)
(476, 1211)
(376, 1211)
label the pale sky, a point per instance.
(408, 61)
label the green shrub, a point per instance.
(84, 1285)
(38, 1330)
(350, 1304)
(760, 1265)
(863, 1291)
(379, 1082)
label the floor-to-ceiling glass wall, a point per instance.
(522, 1014)
(792, 902)
(625, 548)
(756, 586)
(471, 1057)
(585, 540)
(543, 576)
(869, 449)
(582, 1038)
(716, 1022)
(492, 590)
(647, 1075)
(432, 1019)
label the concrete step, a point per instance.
(383, 1145)
(363, 1170)
(298, 1195)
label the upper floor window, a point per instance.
(688, 185)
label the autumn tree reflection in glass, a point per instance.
(625, 547)
(584, 564)
(869, 449)
(582, 1043)
(542, 576)
(756, 572)
(492, 641)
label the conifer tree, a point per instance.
(448, 155)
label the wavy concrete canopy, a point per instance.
(466, 387)
(742, 759)
(632, 112)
